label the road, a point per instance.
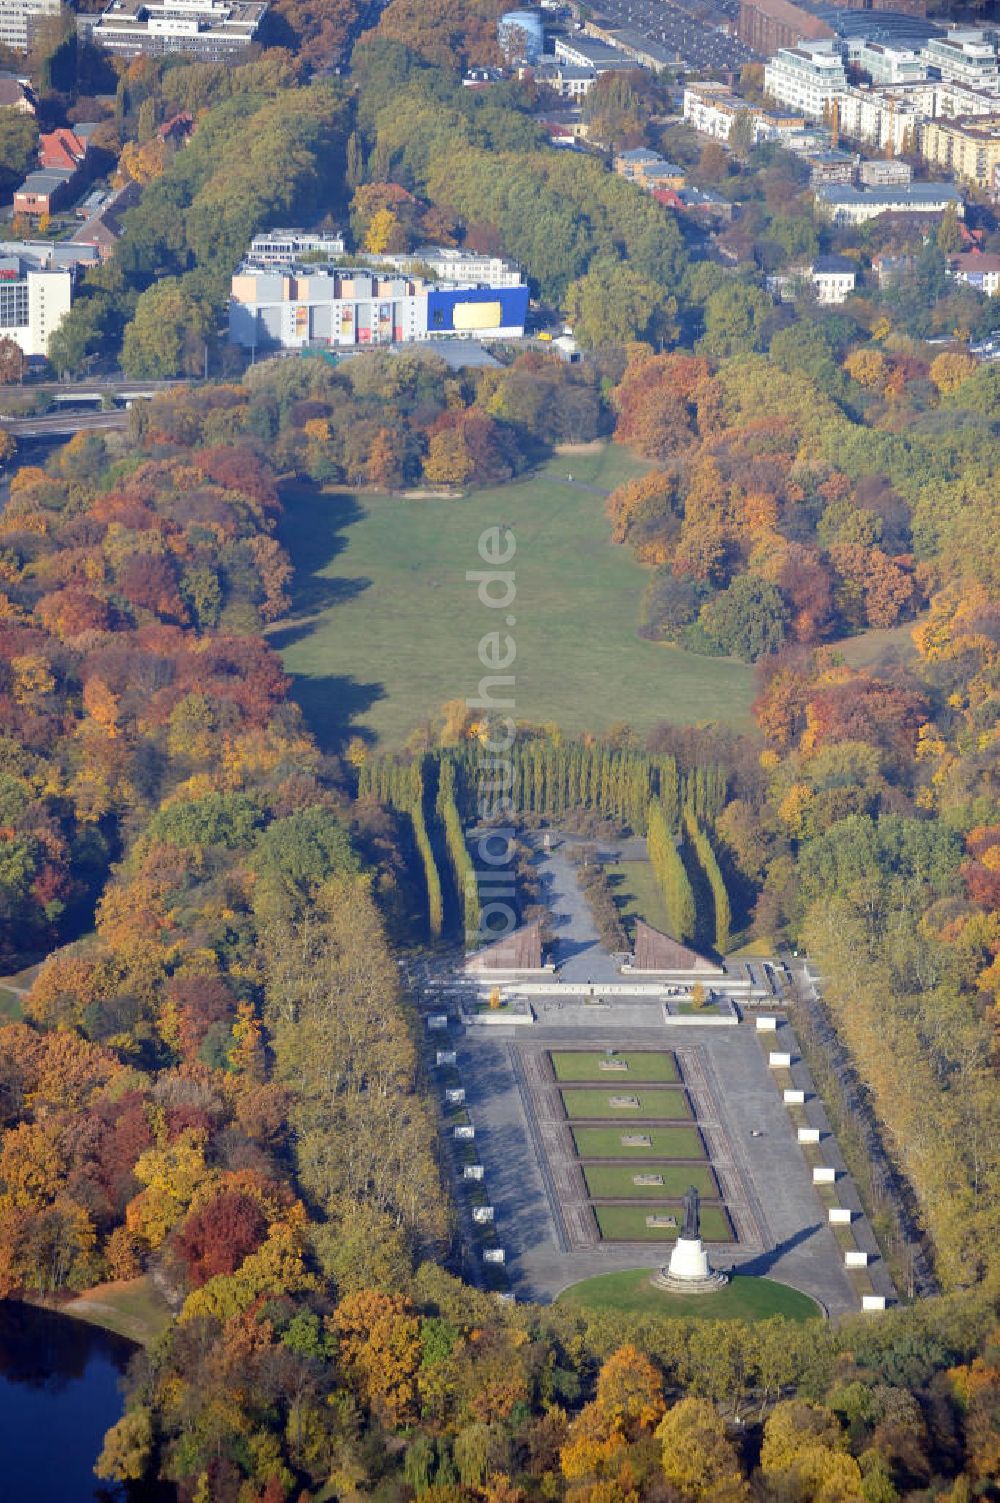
(64, 424)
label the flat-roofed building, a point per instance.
(283, 246)
(845, 205)
(885, 173)
(316, 306)
(807, 77)
(712, 109)
(18, 19)
(36, 290)
(885, 64)
(970, 148)
(966, 56)
(210, 29)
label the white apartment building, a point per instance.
(17, 18)
(280, 247)
(807, 77)
(884, 120)
(885, 64)
(32, 304)
(965, 56)
(712, 109)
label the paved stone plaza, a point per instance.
(544, 1218)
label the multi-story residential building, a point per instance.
(215, 30)
(965, 56)
(712, 109)
(807, 77)
(854, 206)
(346, 307)
(977, 269)
(36, 289)
(885, 64)
(883, 119)
(18, 17)
(970, 148)
(283, 246)
(882, 173)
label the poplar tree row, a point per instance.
(709, 864)
(432, 877)
(668, 868)
(458, 852)
(538, 777)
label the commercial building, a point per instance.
(977, 269)
(965, 56)
(282, 247)
(969, 148)
(638, 48)
(18, 18)
(347, 307)
(834, 278)
(214, 30)
(854, 206)
(807, 77)
(584, 52)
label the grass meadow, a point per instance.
(385, 627)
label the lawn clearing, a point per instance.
(628, 1223)
(385, 625)
(10, 1005)
(743, 1298)
(133, 1308)
(617, 1181)
(664, 1142)
(582, 1064)
(668, 1103)
(637, 894)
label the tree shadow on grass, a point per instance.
(331, 704)
(314, 531)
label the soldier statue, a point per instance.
(692, 1201)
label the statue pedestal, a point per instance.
(689, 1271)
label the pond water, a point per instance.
(59, 1392)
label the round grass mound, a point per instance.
(743, 1298)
